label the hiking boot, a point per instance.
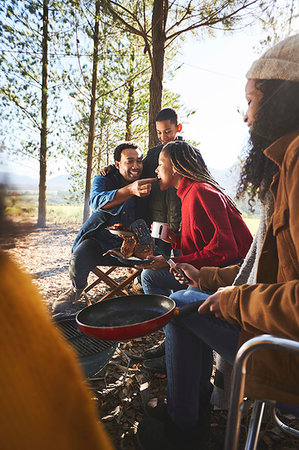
(156, 365)
(155, 352)
(153, 434)
(156, 408)
(69, 302)
(137, 286)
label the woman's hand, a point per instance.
(191, 272)
(211, 304)
(156, 263)
(168, 235)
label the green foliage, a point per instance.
(125, 67)
(20, 79)
(122, 96)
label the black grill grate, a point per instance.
(84, 345)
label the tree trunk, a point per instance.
(159, 19)
(41, 220)
(99, 156)
(130, 102)
(92, 112)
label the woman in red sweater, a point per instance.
(213, 232)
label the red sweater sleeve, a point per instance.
(209, 228)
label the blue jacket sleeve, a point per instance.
(103, 191)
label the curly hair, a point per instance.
(278, 114)
(189, 163)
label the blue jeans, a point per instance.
(159, 282)
(86, 257)
(190, 342)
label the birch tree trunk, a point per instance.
(90, 144)
(41, 219)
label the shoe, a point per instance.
(153, 434)
(156, 365)
(156, 408)
(155, 352)
(137, 286)
(69, 302)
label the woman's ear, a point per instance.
(180, 127)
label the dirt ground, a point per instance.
(123, 386)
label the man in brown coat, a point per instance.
(271, 305)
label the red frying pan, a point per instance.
(131, 316)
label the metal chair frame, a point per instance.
(289, 430)
(238, 386)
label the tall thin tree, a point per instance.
(41, 219)
(161, 22)
(92, 115)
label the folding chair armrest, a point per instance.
(238, 381)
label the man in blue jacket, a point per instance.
(119, 197)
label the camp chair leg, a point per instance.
(102, 276)
(119, 288)
(116, 288)
(284, 427)
(255, 425)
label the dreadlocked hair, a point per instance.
(278, 114)
(188, 162)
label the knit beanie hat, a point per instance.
(280, 62)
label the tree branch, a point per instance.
(123, 84)
(208, 22)
(126, 24)
(15, 100)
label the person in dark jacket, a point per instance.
(118, 197)
(164, 206)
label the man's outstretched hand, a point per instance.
(141, 188)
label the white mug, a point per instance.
(159, 230)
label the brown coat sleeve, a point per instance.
(212, 278)
(264, 308)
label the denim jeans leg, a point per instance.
(189, 344)
(86, 256)
(159, 282)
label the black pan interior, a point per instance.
(126, 310)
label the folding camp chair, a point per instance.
(117, 288)
(237, 393)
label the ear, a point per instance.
(180, 127)
(116, 163)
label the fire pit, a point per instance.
(93, 354)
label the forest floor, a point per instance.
(122, 389)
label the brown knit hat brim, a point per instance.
(280, 62)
